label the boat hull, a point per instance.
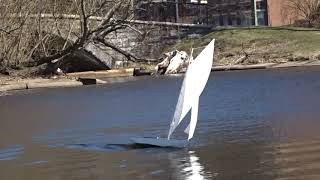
(160, 142)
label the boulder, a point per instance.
(177, 62)
(173, 62)
(81, 60)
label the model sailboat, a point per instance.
(193, 84)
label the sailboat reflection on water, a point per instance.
(188, 167)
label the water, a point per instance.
(259, 124)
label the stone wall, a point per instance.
(144, 39)
(153, 38)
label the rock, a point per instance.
(173, 62)
(80, 61)
(161, 68)
(177, 62)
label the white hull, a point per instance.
(160, 142)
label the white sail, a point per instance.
(193, 84)
(193, 121)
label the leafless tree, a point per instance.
(306, 9)
(11, 31)
(27, 32)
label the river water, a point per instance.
(257, 124)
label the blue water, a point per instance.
(257, 124)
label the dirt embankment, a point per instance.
(259, 45)
(8, 83)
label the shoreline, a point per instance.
(268, 65)
(118, 76)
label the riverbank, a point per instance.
(8, 83)
(236, 49)
(117, 76)
(258, 45)
(267, 65)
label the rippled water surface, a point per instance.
(258, 124)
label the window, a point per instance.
(261, 18)
(238, 21)
(221, 20)
(261, 12)
(261, 5)
(229, 20)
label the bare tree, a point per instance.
(116, 18)
(305, 9)
(37, 32)
(11, 31)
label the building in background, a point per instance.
(279, 13)
(217, 12)
(233, 13)
(183, 11)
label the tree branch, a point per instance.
(58, 55)
(128, 55)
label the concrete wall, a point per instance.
(153, 38)
(149, 42)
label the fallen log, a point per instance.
(54, 84)
(8, 87)
(103, 74)
(242, 67)
(39, 83)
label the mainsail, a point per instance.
(193, 84)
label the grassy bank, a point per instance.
(261, 45)
(287, 46)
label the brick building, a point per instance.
(219, 12)
(279, 14)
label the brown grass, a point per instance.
(261, 44)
